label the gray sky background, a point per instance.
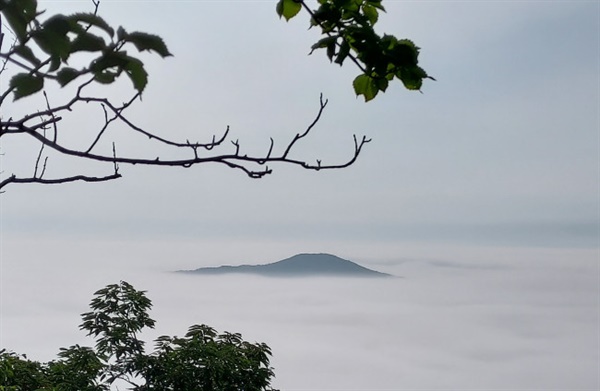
(502, 149)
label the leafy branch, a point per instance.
(348, 29)
(43, 50)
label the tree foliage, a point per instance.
(201, 360)
(348, 30)
(62, 36)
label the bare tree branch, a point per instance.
(14, 179)
(36, 124)
(247, 164)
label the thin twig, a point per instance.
(299, 136)
(37, 161)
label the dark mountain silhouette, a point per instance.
(297, 266)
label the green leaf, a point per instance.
(331, 51)
(52, 37)
(349, 7)
(26, 53)
(110, 60)
(376, 4)
(92, 20)
(412, 84)
(121, 33)
(25, 84)
(19, 14)
(366, 86)
(150, 42)
(371, 13)
(382, 83)
(343, 52)
(288, 8)
(136, 72)
(16, 20)
(66, 75)
(54, 63)
(324, 43)
(404, 53)
(412, 77)
(58, 24)
(29, 8)
(87, 42)
(325, 12)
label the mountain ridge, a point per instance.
(299, 265)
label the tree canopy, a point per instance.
(81, 50)
(201, 360)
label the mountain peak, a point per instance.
(299, 265)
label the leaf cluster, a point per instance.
(201, 360)
(205, 360)
(348, 30)
(43, 48)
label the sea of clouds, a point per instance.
(485, 318)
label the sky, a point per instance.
(498, 161)
(501, 149)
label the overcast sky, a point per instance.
(502, 149)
